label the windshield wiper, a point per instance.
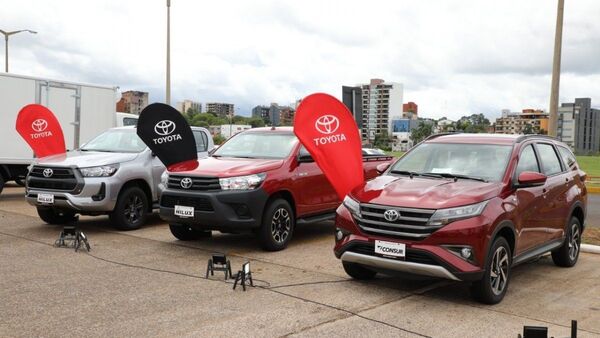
(405, 172)
(457, 176)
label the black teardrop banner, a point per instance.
(166, 132)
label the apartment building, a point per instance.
(579, 126)
(186, 105)
(533, 121)
(220, 109)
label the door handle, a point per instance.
(302, 174)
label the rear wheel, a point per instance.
(131, 209)
(56, 216)
(568, 254)
(187, 233)
(277, 226)
(358, 271)
(492, 288)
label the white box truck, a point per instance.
(83, 110)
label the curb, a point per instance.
(593, 190)
(589, 248)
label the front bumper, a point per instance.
(427, 257)
(216, 210)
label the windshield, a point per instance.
(257, 145)
(116, 141)
(479, 161)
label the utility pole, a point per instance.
(553, 118)
(168, 98)
(6, 35)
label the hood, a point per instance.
(228, 166)
(426, 193)
(83, 159)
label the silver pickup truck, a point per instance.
(114, 174)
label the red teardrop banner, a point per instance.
(38, 126)
(328, 131)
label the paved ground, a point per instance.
(594, 210)
(146, 283)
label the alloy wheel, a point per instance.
(499, 270)
(281, 225)
(134, 209)
(574, 242)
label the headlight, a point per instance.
(445, 216)
(164, 178)
(242, 182)
(102, 171)
(352, 205)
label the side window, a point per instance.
(129, 121)
(568, 157)
(550, 161)
(303, 152)
(201, 140)
(527, 161)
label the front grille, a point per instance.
(414, 256)
(411, 223)
(199, 203)
(198, 183)
(61, 179)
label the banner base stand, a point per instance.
(70, 237)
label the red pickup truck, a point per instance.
(261, 180)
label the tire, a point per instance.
(358, 271)
(494, 284)
(187, 233)
(56, 216)
(277, 225)
(1, 183)
(568, 254)
(130, 212)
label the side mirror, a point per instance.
(305, 159)
(528, 179)
(381, 168)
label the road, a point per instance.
(146, 283)
(593, 213)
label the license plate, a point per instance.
(183, 211)
(45, 198)
(390, 248)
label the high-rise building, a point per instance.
(578, 126)
(261, 112)
(275, 114)
(286, 116)
(381, 104)
(132, 102)
(534, 121)
(220, 109)
(352, 98)
(185, 105)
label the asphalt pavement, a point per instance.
(593, 210)
(147, 283)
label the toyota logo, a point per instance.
(391, 215)
(186, 183)
(48, 172)
(327, 124)
(164, 127)
(39, 125)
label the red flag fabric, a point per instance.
(328, 131)
(38, 126)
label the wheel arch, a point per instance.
(507, 230)
(142, 184)
(577, 210)
(286, 195)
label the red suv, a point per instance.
(467, 208)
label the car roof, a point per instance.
(499, 139)
(282, 130)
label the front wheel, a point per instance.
(187, 233)
(277, 226)
(568, 253)
(56, 216)
(130, 210)
(492, 288)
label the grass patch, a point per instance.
(591, 235)
(395, 153)
(590, 164)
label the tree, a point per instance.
(218, 139)
(475, 123)
(528, 129)
(423, 131)
(382, 141)
(256, 122)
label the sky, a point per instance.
(454, 57)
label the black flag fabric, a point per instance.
(166, 132)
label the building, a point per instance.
(186, 105)
(444, 125)
(219, 109)
(261, 112)
(531, 121)
(228, 130)
(381, 104)
(274, 114)
(579, 126)
(286, 116)
(410, 110)
(352, 98)
(132, 102)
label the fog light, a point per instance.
(466, 253)
(339, 235)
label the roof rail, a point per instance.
(432, 136)
(530, 136)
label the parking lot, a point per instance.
(146, 283)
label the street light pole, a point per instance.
(168, 52)
(553, 118)
(6, 35)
